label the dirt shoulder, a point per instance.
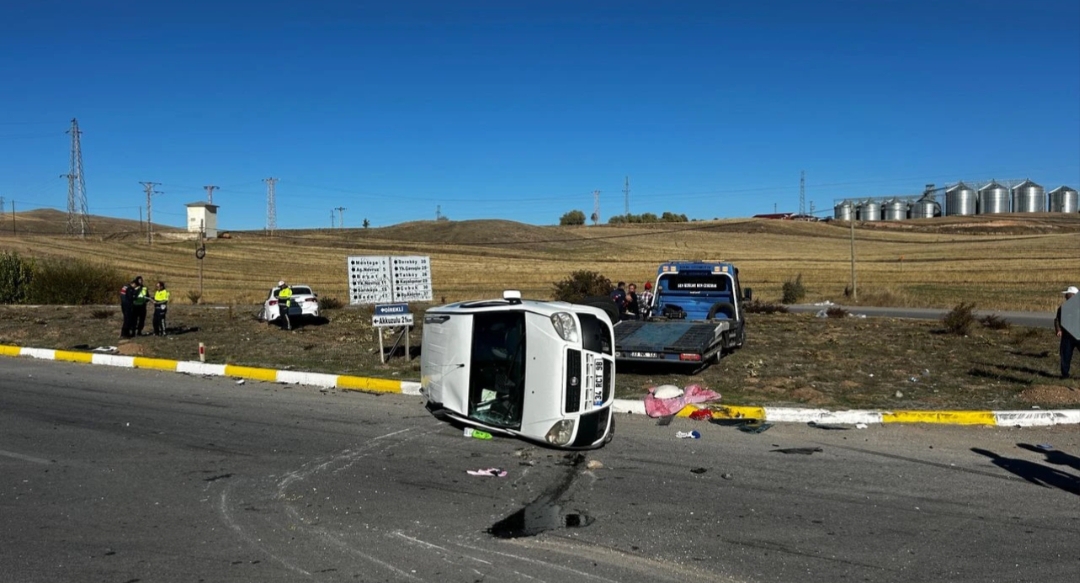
(789, 359)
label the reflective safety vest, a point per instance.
(142, 298)
(161, 297)
(285, 296)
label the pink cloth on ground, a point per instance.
(691, 394)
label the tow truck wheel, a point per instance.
(722, 308)
(605, 304)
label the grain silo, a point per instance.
(844, 211)
(960, 200)
(993, 199)
(869, 210)
(894, 210)
(1028, 197)
(926, 207)
(1063, 200)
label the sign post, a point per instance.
(390, 283)
(392, 316)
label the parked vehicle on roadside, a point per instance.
(306, 304)
(539, 370)
(696, 316)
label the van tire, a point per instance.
(605, 304)
(725, 308)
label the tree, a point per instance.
(367, 223)
(582, 284)
(574, 217)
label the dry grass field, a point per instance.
(1017, 262)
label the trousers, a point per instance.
(1068, 344)
(159, 320)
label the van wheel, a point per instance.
(605, 304)
(724, 308)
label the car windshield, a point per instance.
(497, 380)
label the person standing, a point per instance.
(1068, 342)
(161, 306)
(284, 303)
(633, 309)
(618, 295)
(138, 307)
(125, 310)
(645, 300)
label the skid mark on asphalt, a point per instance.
(532, 561)
(265, 532)
(25, 458)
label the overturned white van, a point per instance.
(543, 371)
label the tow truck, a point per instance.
(696, 316)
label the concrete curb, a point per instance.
(343, 382)
(1032, 418)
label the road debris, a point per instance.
(698, 470)
(828, 426)
(688, 435)
(754, 426)
(799, 450)
(489, 472)
(661, 407)
(594, 464)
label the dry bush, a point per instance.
(836, 312)
(960, 319)
(193, 296)
(994, 322)
(793, 290)
(760, 307)
(101, 314)
(330, 303)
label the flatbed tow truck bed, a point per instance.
(668, 340)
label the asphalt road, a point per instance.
(1030, 319)
(132, 475)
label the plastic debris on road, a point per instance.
(688, 435)
(827, 426)
(489, 472)
(476, 433)
(693, 394)
(701, 414)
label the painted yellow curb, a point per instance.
(69, 356)
(948, 417)
(6, 350)
(155, 363)
(368, 384)
(726, 412)
(247, 372)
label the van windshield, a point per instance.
(497, 378)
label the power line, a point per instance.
(271, 206)
(78, 222)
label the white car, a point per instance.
(543, 371)
(303, 296)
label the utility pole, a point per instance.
(802, 193)
(438, 212)
(626, 194)
(210, 193)
(854, 284)
(332, 223)
(13, 218)
(595, 207)
(271, 206)
(341, 216)
(77, 223)
(150, 192)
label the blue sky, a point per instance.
(520, 110)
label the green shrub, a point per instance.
(330, 303)
(794, 291)
(582, 284)
(960, 319)
(15, 276)
(73, 282)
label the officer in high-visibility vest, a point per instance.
(161, 306)
(284, 302)
(140, 296)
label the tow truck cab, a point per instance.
(543, 371)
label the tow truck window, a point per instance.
(497, 380)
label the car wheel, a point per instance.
(722, 308)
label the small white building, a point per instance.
(202, 218)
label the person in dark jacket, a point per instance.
(1068, 342)
(127, 306)
(139, 298)
(618, 295)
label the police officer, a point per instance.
(139, 299)
(161, 305)
(284, 302)
(1068, 343)
(128, 293)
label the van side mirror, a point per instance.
(748, 294)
